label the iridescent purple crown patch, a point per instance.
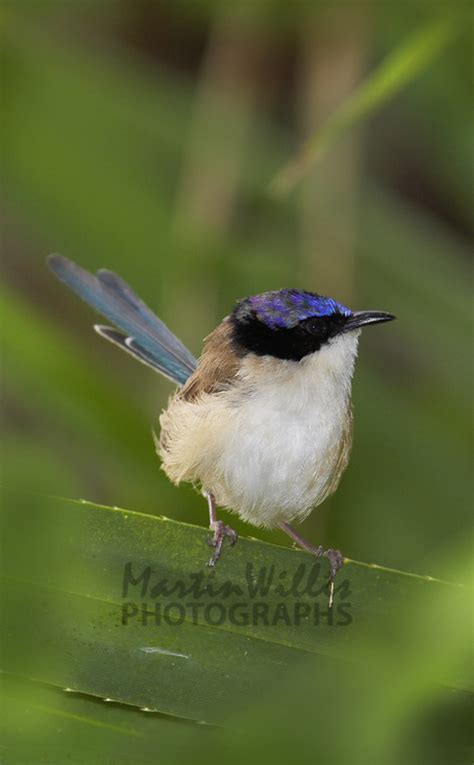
(283, 309)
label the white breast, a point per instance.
(268, 449)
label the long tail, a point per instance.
(142, 333)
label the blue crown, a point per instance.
(283, 309)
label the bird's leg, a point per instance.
(334, 557)
(219, 530)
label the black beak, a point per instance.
(361, 318)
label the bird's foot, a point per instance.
(336, 562)
(335, 557)
(219, 532)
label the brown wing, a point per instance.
(217, 366)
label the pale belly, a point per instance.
(277, 464)
(270, 456)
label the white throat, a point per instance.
(282, 453)
(325, 373)
(273, 445)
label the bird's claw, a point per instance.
(220, 532)
(336, 561)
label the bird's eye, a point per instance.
(315, 326)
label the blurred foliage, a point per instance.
(63, 627)
(143, 137)
(402, 67)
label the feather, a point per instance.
(146, 336)
(218, 365)
(272, 441)
(127, 344)
(117, 287)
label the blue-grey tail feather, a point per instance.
(146, 336)
(128, 345)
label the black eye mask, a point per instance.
(253, 336)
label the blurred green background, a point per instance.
(144, 137)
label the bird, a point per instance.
(261, 424)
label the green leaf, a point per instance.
(189, 653)
(42, 724)
(398, 69)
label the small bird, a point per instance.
(262, 423)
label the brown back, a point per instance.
(217, 366)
